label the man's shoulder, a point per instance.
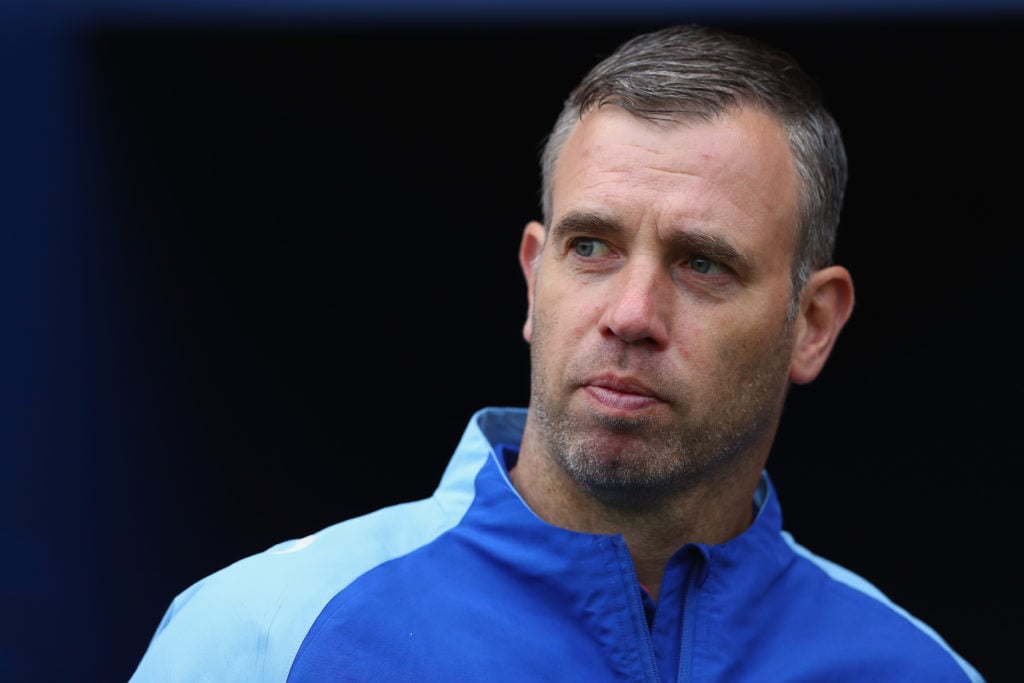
(316, 566)
(842, 605)
(247, 620)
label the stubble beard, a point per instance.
(662, 459)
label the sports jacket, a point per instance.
(470, 585)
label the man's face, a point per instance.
(660, 345)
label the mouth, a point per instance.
(621, 394)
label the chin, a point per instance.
(627, 495)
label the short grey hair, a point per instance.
(692, 72)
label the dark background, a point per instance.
(259, 271)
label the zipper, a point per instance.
(638, 616)
(695, 574)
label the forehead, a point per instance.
(735, 174)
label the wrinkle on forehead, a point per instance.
(737, 168)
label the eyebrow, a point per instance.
(584, 222)
(690, 240)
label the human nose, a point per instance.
(637, 306)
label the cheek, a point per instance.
(727, 345)
(571, 312)
(757, 348)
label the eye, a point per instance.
(589, 248)
(706, 266)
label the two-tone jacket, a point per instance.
(470, 585)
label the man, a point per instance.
(623, 527)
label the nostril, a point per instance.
(634, 322)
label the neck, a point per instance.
(711, 511)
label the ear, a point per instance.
(529, 260)
(825, 305)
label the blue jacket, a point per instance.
(470, 585)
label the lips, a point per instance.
(622, 385)
(621, 393)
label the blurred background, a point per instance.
(259, 267)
